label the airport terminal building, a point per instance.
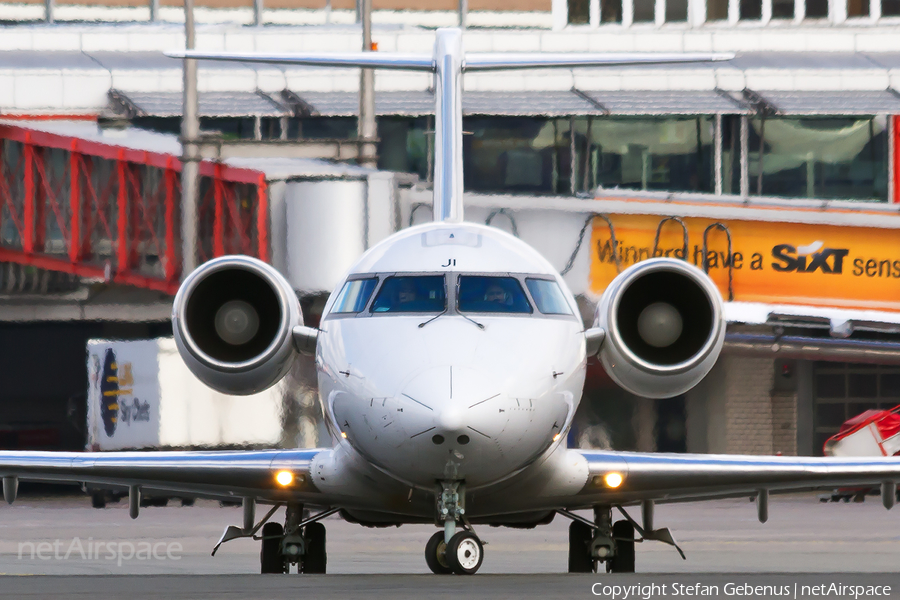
(777, 172)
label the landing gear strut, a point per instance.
(600, 542)
(452, 550)
(299, 542)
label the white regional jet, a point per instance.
(450, 361)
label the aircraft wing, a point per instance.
(203, 473)
(684, 477)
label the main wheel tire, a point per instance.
(271, 559)
(623, 561)
(98, 500)
(580, 559)
(436, 555)
(315, 558)
(465, 553)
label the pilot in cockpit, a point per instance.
(495, 294)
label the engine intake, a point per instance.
(664, 327)
(233, 319)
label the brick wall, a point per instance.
(784, 423)
(748, 405)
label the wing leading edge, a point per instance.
(683, 477)
(213, 473)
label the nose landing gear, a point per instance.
(452, 551)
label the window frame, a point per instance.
(532, 308)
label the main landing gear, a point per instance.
(601, 542)
(453, 550)
(298, 542)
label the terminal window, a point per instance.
(676, 11)
(644, 11)
(858, 8)
(579, 12)
(816, 9)
(611, 11)
(716, 10)
(819, 157)
(750, 10)
(782, 9)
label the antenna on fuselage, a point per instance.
(448, 62)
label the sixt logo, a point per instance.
(809, 259)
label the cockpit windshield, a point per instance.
(411, 293)
(548, 297)
(478, 293)
(354, 296)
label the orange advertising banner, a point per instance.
(770, 262)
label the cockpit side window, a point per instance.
(411, 293)
(548, 297)
(354, 296)
(479, 293)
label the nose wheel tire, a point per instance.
(580, 559)
(623, 561)
(270, 557)
(315, 558)
(465, 553)
(436, 555)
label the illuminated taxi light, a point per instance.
(556, 437)
(284, 478)
(613, 479)
(344, 434)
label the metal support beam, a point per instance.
(190, 132)
(154, 10)
(573, 163)
(717, 156)
(49, 9)
(258, 6)
(366, 128)
(463, 13)
(745, 156)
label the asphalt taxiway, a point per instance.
(52, 536)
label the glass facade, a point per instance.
(826, 157)
(819, 157)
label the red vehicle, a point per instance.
(871, 433)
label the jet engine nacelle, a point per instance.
(233, 319)
(664, 327)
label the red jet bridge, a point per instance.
(107, 206)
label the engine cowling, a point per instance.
(664, 327)
(233, 319)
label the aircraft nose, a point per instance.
(450, 419)
(455, 398)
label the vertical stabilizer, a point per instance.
(448, 173)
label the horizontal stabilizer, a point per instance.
(375, 60)
(472, 62)
(539, 60)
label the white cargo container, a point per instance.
(141, 395)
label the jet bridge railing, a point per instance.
(113, 213)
